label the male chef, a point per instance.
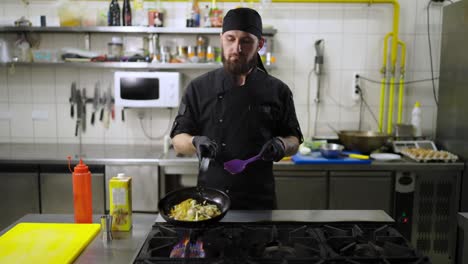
(236, 112)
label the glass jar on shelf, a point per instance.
(115, 49)
(210, 54)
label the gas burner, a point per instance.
(278, 243)
(279, 252)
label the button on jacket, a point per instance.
(240, 119)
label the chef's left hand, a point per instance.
(273, 150)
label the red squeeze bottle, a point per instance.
(82, 195)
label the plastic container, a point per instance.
(44, 56)
(82, 194)
(69, 14)
(120, 200)
(416, 118)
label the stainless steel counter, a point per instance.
(173, 164)
(125, 246)
(90, 153)
(317, 216)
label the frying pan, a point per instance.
(199, 194)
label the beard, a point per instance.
(241, 66)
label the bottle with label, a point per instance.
(113, 16)
(206, 16)
(126, 13)
(195, 13)
(416, 119)
(159, 15)
(120, 201)
(82, 194)
(139, 17)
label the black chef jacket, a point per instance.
(240, 119)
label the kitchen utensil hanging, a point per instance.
(78, 99)
(319, 51)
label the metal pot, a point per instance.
(334, 151)
(362, 141)
(200, 194)
(331, 151)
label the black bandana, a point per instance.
(244, 19)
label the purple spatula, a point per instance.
(236, 166)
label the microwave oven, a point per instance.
(147, 89)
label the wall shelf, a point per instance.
(121, 29)
(124, 30)
(126, 65)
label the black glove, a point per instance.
(273, 150)
(206, 148)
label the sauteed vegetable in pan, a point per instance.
(190, 210)
(194, 207)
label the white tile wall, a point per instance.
(4, 123)
(3, 85)
(22, 128)
(43, 85)
(46, 128)
(408, 16)
(19, 85)
(353, 35)
(354, 52)
(330, 18)
(306, 20)
(355, 19)
(379, 19)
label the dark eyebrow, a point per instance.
(248, 38)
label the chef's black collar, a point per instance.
(228, 79)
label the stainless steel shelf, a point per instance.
(133, 30)
(127, 65)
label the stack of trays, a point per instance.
(428, 155)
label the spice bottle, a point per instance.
(206, 16)
(126, 13)
(193, 19)
(82, 194)
(113, 16)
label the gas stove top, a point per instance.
(279, 243)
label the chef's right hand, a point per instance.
(206, 148)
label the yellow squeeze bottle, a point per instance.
(120, 192)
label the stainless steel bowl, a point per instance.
(363, 141)
(331, 150)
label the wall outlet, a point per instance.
(5, 115)
(356, 91)
(40, 115)
(141, 114)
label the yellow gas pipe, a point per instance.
(402, 81)
(390, 104)
(392, 86)
(384, 81)
(392, 91)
